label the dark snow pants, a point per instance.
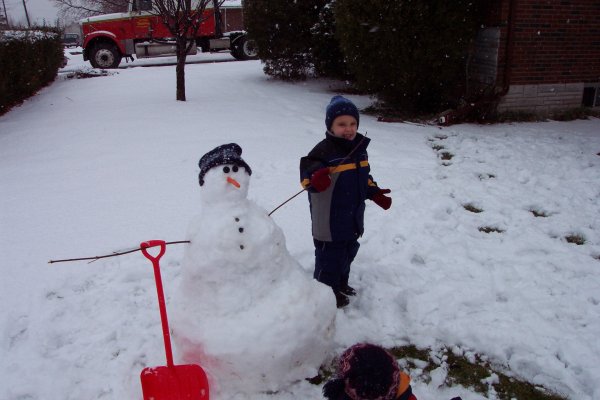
(332, 262)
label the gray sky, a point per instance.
(39, 10)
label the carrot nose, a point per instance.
(233, 182)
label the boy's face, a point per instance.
(344, 126)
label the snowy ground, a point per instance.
(91, 166)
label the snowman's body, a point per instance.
(247, 312)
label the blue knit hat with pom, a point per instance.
(338, 106)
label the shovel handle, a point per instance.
(153, 243)
(159, 291)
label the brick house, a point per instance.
(539, 56)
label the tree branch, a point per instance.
(109, 255)
(86, 8)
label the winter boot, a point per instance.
(348, 290)
(340, 299)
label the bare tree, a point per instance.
(76, 9)
(183, 19)
(26, 14)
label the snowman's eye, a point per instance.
(226, 170)
(235, 168)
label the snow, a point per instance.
(9, 35)
(92, 166)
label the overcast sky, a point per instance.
(38, 10)
(41, 11)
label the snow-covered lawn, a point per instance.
(92, 166)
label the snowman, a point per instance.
(246, 311)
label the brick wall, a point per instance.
(556, 50)
(556, 41)
(542, 98)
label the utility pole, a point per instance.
(5, 14)
(26, 14)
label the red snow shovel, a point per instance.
(170, 382)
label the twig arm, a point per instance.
(109, 255)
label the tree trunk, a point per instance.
(180, 69)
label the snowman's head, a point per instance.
(224, 175)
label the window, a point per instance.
(142, 5)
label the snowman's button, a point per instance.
(241, 246)
(241, 229)
(237, 219)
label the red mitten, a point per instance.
(381, 199)
(320, 179)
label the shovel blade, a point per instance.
(177, 382)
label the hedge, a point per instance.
(282, 31)
(410, 54)
(29, 60)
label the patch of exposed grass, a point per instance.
(576, 239)
(470, 207)
(472, 373)
(574, 113)
(515, 116)
(411, 352)
(463, 372)
(325, 372)
(486, 176)
(391, 114)
(539, 213)
(510, 388)
(88, 73)
(445, 155)
(437, 147)
(490, 229)
(562, 115)
(469, 372)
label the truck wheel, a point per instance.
(105, 55)
(244, 49)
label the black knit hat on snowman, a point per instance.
(226, 154)
(339, 106)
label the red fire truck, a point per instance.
(111, 37)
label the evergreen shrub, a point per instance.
(29, 60)
(282, 31)
(411, 54)
(327, 56)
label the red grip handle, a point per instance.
(153, 243)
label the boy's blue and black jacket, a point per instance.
(337, 213)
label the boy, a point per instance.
(336, 175)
